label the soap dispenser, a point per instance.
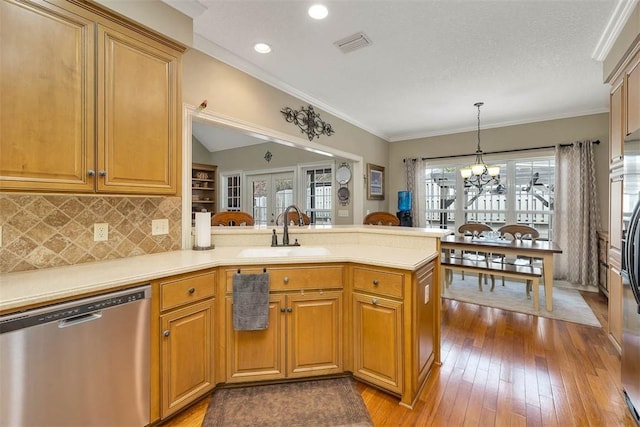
(274, 238)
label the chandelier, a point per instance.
(479, 174)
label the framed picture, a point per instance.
(375, 182)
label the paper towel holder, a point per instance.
(203, 248)
(202, 238)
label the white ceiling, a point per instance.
(430, 61)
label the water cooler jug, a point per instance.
(404, 209)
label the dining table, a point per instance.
(539, 249)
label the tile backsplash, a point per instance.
(41, 231)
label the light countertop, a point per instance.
(382, 246)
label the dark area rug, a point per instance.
(325, 402)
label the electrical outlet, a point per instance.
(159, 227)
(343, 212)
(100, 232)
(0, 236)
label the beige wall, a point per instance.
(507, 138)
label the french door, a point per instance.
(270, 195)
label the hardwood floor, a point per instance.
(506, 369)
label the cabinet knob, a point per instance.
(102, 173)
(192, 290)
(289, 309)
(374, 301)
(286, 279)
(282, 310)
(166, 333)
(91, 172)
(375, 282)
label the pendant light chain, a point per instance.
(478, 104)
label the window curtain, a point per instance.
(576, 214)
(415, 169)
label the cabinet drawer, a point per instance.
(299, 277)
(379, 281)
(187, 289)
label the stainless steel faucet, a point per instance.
(285, 235)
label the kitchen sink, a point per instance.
(283, 251)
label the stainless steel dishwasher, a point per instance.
(81, 363)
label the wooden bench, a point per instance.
(524, 272)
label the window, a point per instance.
(232, 192)
(319, 194)
(524, 196)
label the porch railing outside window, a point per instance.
(319, 194)
(524, 196)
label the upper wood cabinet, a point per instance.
(90, 101)
(616, 123)
(633, 95)
(47, 80)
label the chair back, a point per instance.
(381, 218)
(475, 229)
(231, 218)
(519, 231)
(293, 216)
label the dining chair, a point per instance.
(518, 232)
(231, 218)
(381, 218)
(475, 230)
(294, 218)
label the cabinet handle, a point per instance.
(375, 282)
(166, 333)
(91, 172)
(192, 290)
(102, 173)
(286, 279)
(289, 309)
(374, 301)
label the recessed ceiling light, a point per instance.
(318, 11)
(262, 48)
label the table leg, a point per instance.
(547, 261)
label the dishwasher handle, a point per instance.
(72, 321)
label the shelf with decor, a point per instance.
(203, 188)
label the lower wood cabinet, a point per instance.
(395, 328)
(304, 338)
(615, 304)
(305, 333)
(388, 334)
(377, 341)
(187, 349)
(185, 338)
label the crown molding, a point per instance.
(617, 21)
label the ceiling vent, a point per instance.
(353, 42)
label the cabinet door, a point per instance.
(615, 210)
(425, 325)
(47, 103)
(138, 117)
(314, 334)
(187, 356)
(257, 355)
(615, 306)
(633, 96)
(377, 341)
(616, 122)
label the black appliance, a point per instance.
(630, 372)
